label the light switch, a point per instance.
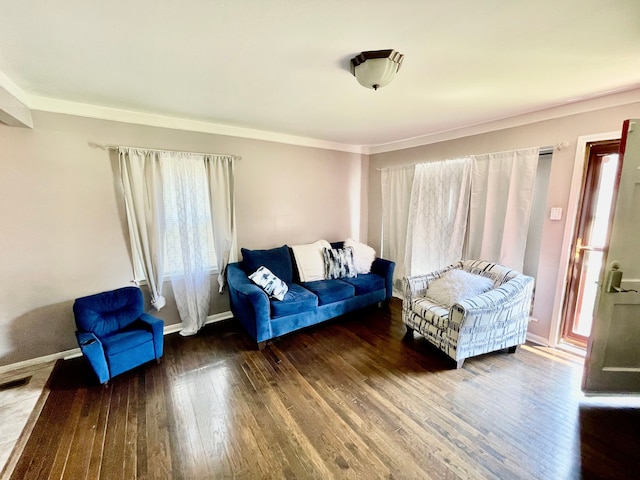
(556, 213)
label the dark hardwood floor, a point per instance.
(351, 398)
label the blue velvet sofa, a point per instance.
(306, 303)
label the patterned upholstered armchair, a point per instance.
(493, 320)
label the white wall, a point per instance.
(542, 133)
(63, 231)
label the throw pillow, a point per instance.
(271, 284)
(363, 255)
(338, 263)
(278, 260)
(457, 285)
(310, 261)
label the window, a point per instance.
(187, 217)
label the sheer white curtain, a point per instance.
(142, 184)
(501, 194)
(187, 213)
(396, 197)
(437, 215)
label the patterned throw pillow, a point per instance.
(271, 284)
(338, 263)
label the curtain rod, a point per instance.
(543, 151)
(115, 147)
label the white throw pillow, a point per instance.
(310, 260)
(457, 285)
(363, 255)
(271, 284)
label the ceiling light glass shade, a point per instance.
(377, 68)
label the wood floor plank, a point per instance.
(96, 448)
(158, 406)
(130, 435)
(349, 398)
(78, 465)
(114, 441)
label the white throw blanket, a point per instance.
(310, 260)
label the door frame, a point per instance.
(592, 173)
(573, 209)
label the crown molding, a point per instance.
(13, 104)
(53, 105)
(11, 87)
(581, 106)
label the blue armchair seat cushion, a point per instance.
(296, 300)
(329, 291)
(126, 340)
(124, 360)
(366, 283)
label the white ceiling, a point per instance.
(283, 66)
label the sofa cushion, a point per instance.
(297, 300)
(276, 259)
(271, 284)
(366, 283)
(338, 263)
(330, 291)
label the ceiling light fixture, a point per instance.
(375, 69)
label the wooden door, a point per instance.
(613, 354)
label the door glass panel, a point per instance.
(593, 249)
(601, 219)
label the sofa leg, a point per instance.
(459, 363)
(409, 332)
(261, 345)
(512, 349)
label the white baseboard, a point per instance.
(537, 339)
(76, 352)
(217, 317)
(32, 362)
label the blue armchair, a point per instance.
(114, 333)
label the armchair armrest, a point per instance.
(385, 269)
(93, 350)
(249, 303)
(157, 328)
